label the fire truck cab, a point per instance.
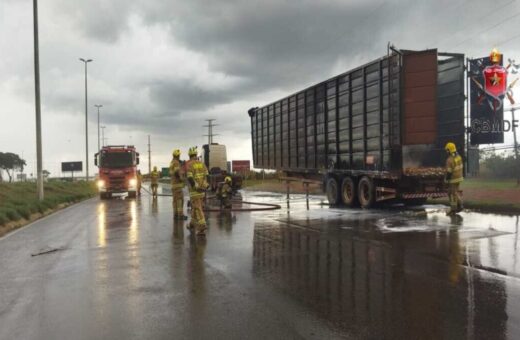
(117, 170)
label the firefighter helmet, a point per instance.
(154, 168)
(192, 151)
(176, 153)
(450, 147)
(228, 179)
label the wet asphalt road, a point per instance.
(123, 269)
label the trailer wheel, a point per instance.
(366, 193)
(332, 190)
(349, 192)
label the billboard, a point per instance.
(487, 90)
(165, 172)
(71, 166)
(241, 166)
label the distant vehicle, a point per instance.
(214, 156)
(372, 134)
(117, 170)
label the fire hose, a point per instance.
(264, 206)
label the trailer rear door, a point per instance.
(419, 97)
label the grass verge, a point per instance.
(491, 195)
(485, 195)
(19, 204)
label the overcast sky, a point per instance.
(163, 66)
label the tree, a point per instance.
(500, 165)
(9, 162)
(45, 173)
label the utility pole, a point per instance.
(86, 114)
(149, 156)
(210, 127)
(98, 127)
(39, 162)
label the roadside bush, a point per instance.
(12, 215)
(24, 212)
(19, 200)
(3, 219)
(33, 208)
(46, 205)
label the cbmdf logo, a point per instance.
(493, 80)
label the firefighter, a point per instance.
(177, 179)
(225, 193)
(454, 176)
(196, 173)
(154, 178)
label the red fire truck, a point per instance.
(117, 170)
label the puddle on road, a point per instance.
(378, 284)
(395, 273)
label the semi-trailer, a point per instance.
(372, 134)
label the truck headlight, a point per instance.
(100, 183)
(132, 182)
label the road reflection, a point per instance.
(417, 285)
(196, 267)
(101, 214)
(225, 220)
(115, 217)
(178, 232)
(133, 233)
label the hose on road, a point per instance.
(264, 206)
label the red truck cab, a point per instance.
(117, 170)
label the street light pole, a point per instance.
(98, 144)
(39, 162)
(86, 114)
(103, 135)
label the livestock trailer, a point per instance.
(371, 134)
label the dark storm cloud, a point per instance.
(276, 45)
(183, 95)
(271, 42)
(284, 43)
(97, 19)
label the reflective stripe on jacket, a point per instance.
(154, 177)
(197, 170)
(455, 167)
(176, 174)
(226, 190)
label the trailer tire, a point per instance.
(366, 193)
(332, 190)
(349, 192)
